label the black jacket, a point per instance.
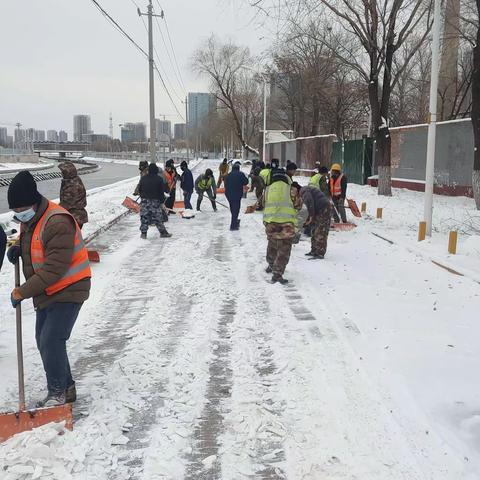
(152, 187)
(234, 183)
(315, 200)
(186, 181)
(3, 246)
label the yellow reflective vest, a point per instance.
(279, 204)
(205, 184)
(266, 174)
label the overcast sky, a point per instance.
(62, 57)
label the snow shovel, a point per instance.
(342, 227)
(352, 205)
(93, 256)
(131, 204)
(179, 203)
(24, 420)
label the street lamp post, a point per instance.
(432, 120)
(265, 85)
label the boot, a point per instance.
(165, 234)
(279, 279)
(317, 257)
(269, 269)
(52, 400)
(71, 394)
(309, 254)
(143, 235)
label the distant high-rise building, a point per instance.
(180, 131)
(134, 132)
(19, 138)
(163, 127)
(200, 105)
(3, 136)
(9, 141)
(81, 126)
(39, 135)
(52, 136)
(30, 135)
(62, 136)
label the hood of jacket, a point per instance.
(68, 170)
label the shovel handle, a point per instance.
(18, 312)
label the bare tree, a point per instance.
(378, 28)
(233, 87)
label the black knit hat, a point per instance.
(23, 192)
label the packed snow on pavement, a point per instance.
(191, 365)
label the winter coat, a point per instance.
(143, 173)
(203, 181)
(234, 183)
(58, 240)
(73, 196)
(315, 200)
(171, 179)
(3, 246)
(223, 169)
(186, 181)
(152, 187)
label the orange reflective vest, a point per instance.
(336, 186)
(79, 268)
(170, 178)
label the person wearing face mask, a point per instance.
(57, 272)
(186, 184)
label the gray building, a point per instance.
(40, 135)
(200, 105)
(133, 132)
(19, 138)
(30, 135)
(163, 127)
(52, 136)
(81, 126)
(3, 136)
(180, 132)
(62, 136)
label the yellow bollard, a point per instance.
(379, 212)
(422, 231)
(363, 209)
(452, 242)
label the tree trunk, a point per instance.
(315, 115)
(476, 117)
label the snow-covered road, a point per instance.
(191, 365)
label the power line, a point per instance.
(179, 77)
(119, 28)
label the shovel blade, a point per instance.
(18, 422)
(131, 204)
(344, 227)
(93, 256)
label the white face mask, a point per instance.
(25, 216)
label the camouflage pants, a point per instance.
(321, 228)
(278, 254)
(151, 213)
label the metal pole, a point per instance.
(264, 120)
(153, 155)
(243, 135)
(432, 120)
(186, 127)
(21, 376)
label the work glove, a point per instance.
(15, 302)
(13, 254)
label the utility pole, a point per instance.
(432, 118)
(151, 65)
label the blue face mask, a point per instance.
(25, 216)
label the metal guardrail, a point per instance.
(91, 167)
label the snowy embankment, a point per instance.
(402, 213)
(18, 167)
